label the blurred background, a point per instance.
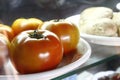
(48, 9)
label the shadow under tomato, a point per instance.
(71, 57)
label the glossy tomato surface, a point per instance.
(7, 31)
(4, 49)
(22, 24)
(36, 51)
(66, 31)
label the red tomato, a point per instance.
(35, 51)
(4, 49)
(7, 31)
(22, 24)
(66, 31)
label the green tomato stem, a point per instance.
(36, 35)
(58, 20)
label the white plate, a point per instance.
(102, 74)
(101, 40)
(67, 64)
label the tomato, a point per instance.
(4, 49)
(66, 31)
(36, 51)
(22, 24)
(7, 31)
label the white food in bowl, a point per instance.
(101, 27)
(116, 20)
(95, 13)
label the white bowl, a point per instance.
(101, 40)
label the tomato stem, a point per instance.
(58, 20)
(36, 35)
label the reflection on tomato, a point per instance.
(22, 24)
(66, 31)
(7, 31)
(4, 49)
(35, 51)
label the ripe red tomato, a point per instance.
(35, 51)
(66, 31)
(7, 31)
(22, 24)
(4, 49)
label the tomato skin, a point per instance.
(4, 49)
(31, 55)
(7, 31)
(22, 24)
(66, 31)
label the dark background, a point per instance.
(47, 9)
